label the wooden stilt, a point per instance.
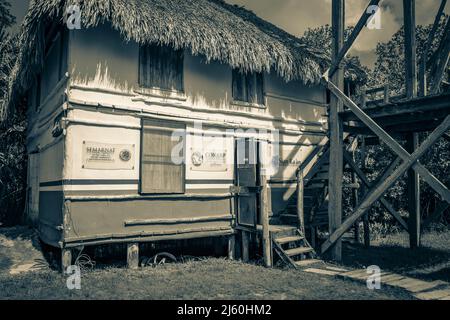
(264, 207)
(413, 190)
(377, 191)
(231, 247)
(366, 222)
(245, 246)
(336, 132)
(313, 236)
(66, 259)
(300, 199)
(355, 205)
(133, 255)
(409, 15)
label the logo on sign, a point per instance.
(125, 155)
(197, 159)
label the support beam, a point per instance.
(336, 131)
(442, 206)
(133, 255)
(383, 186)
(441, 61)
(409, 18)
(437, 185)
(355, 200)
(367, 183)
(413, 192)
(352, 38)
(366, 221)
(300, 200)
(245, 246)
(232, 247)
(66, 259)
(424, 60)
(264, 208)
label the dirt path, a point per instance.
(20, 251)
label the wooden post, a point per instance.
(231, 247)
(336, 131)
(266, 241)
(313, 236)
(424, 60)
(300, 201)
(245, 246)
(366, 224)
(355, 194)
(386, 94)
(413, 190)
(133, 255)
(66, 259)
(409, 15)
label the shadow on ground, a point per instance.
(430, 262)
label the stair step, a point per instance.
(321, 176)
(315, 186)
(308, 262)
(298, 251)
(285, 240)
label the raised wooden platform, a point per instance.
(415, 115)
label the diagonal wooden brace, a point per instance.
(351, 39)
(437, 185)
(383, 200)
(378, 190)
(436, 214)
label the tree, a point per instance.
(12, 130)
(390, 69)
(390, 63)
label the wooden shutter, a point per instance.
(161, 67)
(238, 85)
(159, 174)
(248, 87)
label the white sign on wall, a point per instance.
(105, 156)
(209, 153)
(209, 160)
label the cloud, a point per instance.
(295, 16)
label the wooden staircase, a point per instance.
(315, 200)
(292, 247)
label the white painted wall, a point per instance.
(104, 71)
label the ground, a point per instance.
(429, 262)
(24, 276)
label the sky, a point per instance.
(295, 16)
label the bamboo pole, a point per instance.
(300, 201)
(265, 223)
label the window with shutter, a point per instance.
(160, 173)
(161, 67)
(248, 87)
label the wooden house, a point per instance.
(104, 101)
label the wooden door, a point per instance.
(247, 182)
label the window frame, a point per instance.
(159, 89)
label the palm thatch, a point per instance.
(212, 28)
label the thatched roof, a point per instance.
(212, 28)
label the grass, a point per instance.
(221, 279)
(208, 279)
